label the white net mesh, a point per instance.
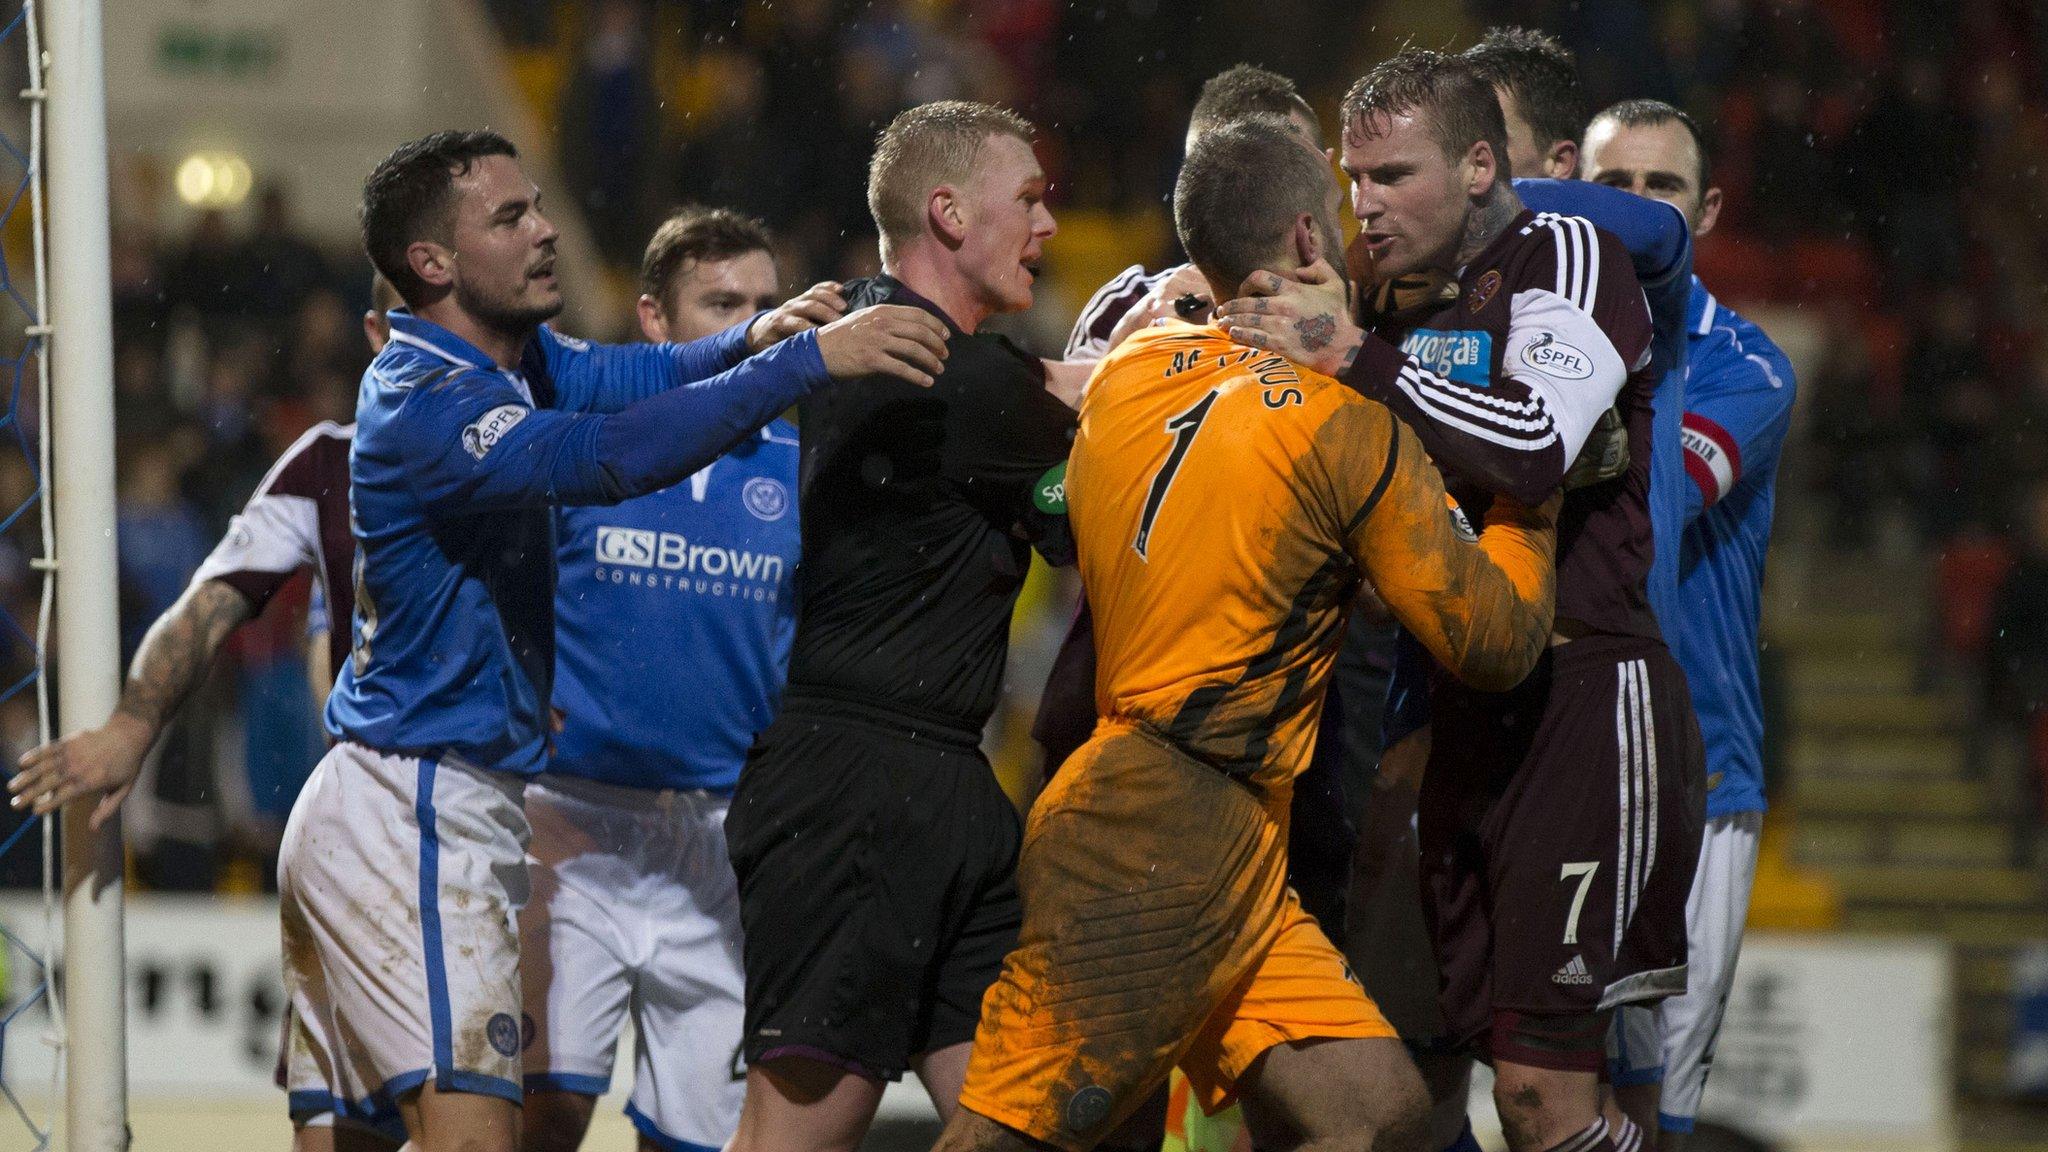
(29, 1013)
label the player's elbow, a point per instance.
(610, 489)
(1526, 474)
(1501, 669)
(1506, 659)
(1509, 636)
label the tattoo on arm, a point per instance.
(179, 648)
(1316, 331)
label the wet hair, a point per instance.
(406, 198)
(1460, 106)
(1541, 74)
(1243, 90)
(1240, 191)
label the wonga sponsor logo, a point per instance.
(1464, 355)
(1461, 524)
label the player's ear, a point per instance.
(1481, 168)
(1710, 211)
(1563, 161)
(1308, 240)
(433, 264)
(947, 214)
(653, 321)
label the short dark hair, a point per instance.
(406, 197)
(1245, 90)
(1461, 104)
(1648, 114)
(1540, 73)
(1240, 190)
(693, 235)
(924, 147)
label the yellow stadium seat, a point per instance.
(1787, 897)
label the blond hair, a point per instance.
(924, 147)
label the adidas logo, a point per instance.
(1573, 973)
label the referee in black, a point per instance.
(874, 847)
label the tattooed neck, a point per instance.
(1486, 222)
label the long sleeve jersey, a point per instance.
(457, 463)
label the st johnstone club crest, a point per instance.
(766, 499)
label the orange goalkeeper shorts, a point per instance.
(1158, 931)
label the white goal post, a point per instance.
(80, 489)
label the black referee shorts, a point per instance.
(877, 870)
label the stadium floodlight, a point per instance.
(214, 179)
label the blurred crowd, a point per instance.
(1880, 160)
(229, 341)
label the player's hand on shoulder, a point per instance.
(889, 339)
(1303, 316)
(101, 762)
(818, 306)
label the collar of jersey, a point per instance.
(897, 292)
(1700, 309)
(427, 336)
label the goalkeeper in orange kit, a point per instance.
(1226, 505)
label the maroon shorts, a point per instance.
(1560, 826)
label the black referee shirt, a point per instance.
(919, 509)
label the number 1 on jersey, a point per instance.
(1182, 428)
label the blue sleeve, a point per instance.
(1659, 243)
(1407, 691)
(1655, 233)
(1738, 409)
(1668, 491)
(471, 442)
(607, 377)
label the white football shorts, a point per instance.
(399, 883)
(635, 909)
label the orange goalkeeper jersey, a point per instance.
(1225, 504)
